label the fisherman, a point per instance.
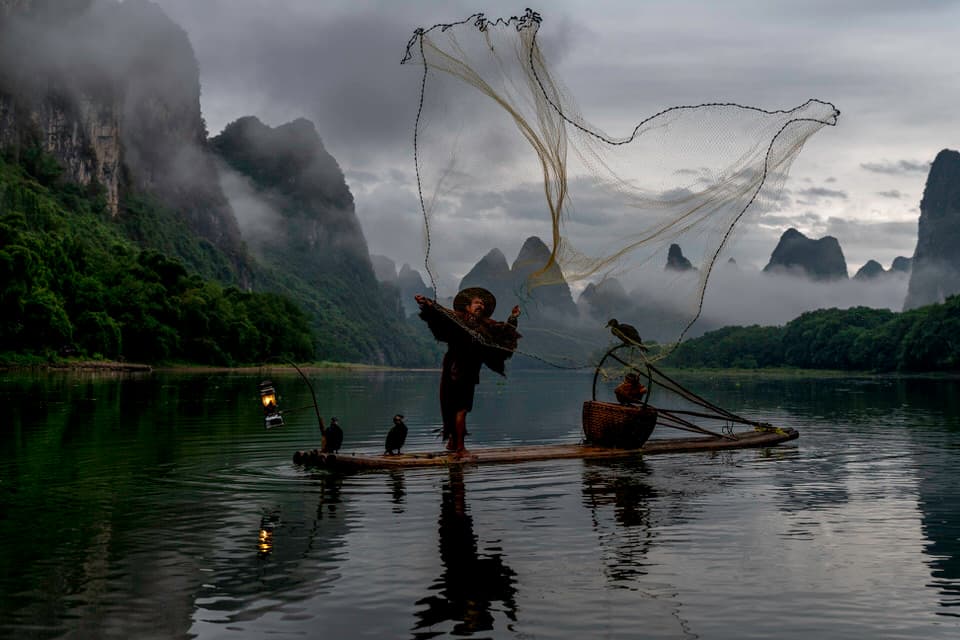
(473, 339)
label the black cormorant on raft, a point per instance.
(396, 437)
(758, 438)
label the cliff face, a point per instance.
(546, 296)
(820, 259)
(411, 283)
(873, 270)
(493, 273)
(407, 283)
(290, 166)
(300, 222)
(47, 100)
(605, 300)
(901, 264)
(676, 261)
(163, 134)
(869, 271)
(936, 261)
(549, 292)
(112, 91)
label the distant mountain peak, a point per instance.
(935, 272)
(820, 259)
(870, 270)
(676, 261)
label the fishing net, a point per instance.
(500, 144)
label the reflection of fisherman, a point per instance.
(471, 581)
(473, 339)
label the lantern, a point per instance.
(271, 412)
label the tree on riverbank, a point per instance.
(857, 339)
(74, 283)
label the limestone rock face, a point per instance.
(492, 273)
(83, 135)
(407, 283)
(43, 100)
(548, 292)
(384, 268)
(411, 283)
(163, 133)
(869, 271)
(820, 259)
(112, 91)
(873, 270)
(547, 295)
(676, 261)
(290, 166)
(604, 300)
(901, 264)
(935, 272)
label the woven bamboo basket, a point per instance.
(607, 424)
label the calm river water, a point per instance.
(158, 506)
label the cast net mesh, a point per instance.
(500, 144)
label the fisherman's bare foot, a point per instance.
(462, 454)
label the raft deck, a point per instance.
(499, 455)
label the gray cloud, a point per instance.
(892, 193)
(799, 220)
(899, 167)
(337, 63)
(822, 192)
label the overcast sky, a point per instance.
(890, 67)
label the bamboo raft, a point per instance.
(758, 438)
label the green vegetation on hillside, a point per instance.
(73, 282)
(315, 251)
(857, 339)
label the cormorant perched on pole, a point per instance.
(396, 436)
(627, 333)
(332, 437)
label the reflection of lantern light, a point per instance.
(271, 412)
(265, 545)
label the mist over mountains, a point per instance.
(111, 90)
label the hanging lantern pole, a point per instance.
(272, 414)
(316, 407)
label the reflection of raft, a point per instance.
(760, 437)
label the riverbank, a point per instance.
(328, 366)
(107, 365)
(77, 365)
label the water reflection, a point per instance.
(940, 525)
(935, 443)
(398, 490)
(267, 525)
(297, 555)
(471, 582)
(626, 490)
(159, 507)
(641, 511)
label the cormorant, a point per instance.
(627, 333)
(333, 437)
(396, 436)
